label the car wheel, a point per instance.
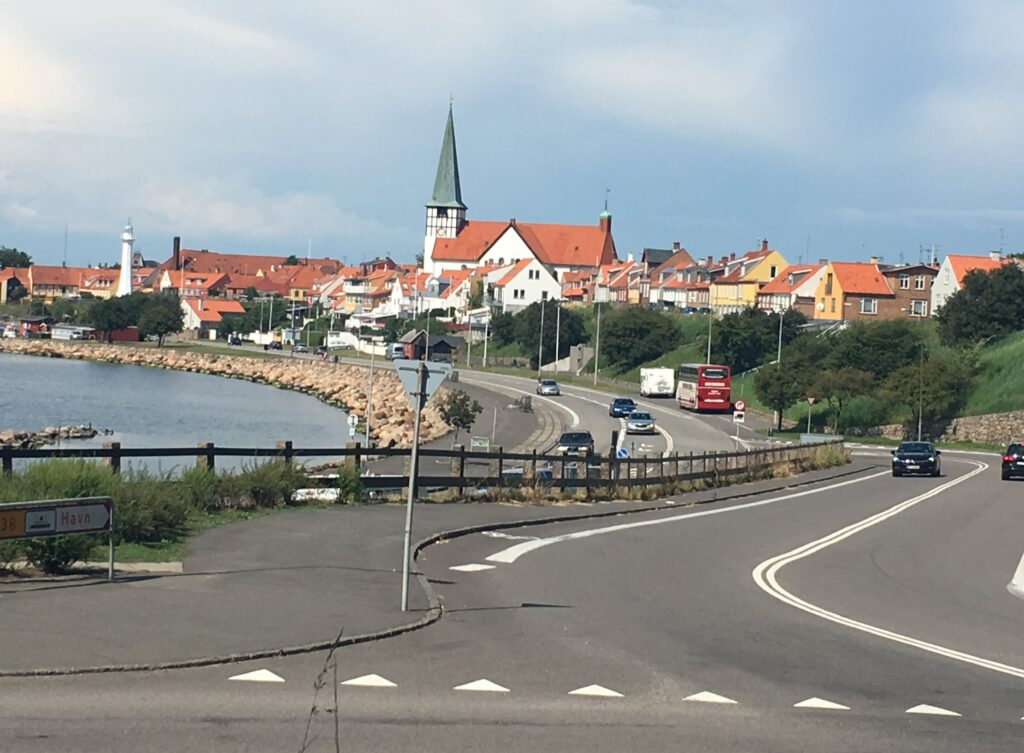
(937, 472)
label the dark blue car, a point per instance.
(621, 407)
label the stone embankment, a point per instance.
(991, 428)
(29, 440)
(341, 385)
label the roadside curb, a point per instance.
(434, 610)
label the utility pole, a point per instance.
(558, 331)
(540, 347)
(778, 361)
(369, 399)
(487, 332)
(710, 318)
(469, 340)
(421, 389)
(920, 395)
(597, 343)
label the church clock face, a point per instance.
(441, 232)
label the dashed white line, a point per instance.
(820, 703)
(924, 708)
(370, 681)
(1016, 584)
(708, 697)
(503, 535)
(259, 675)
(484, 686)
(596, 690)
(472, 567)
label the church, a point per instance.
(453, 242)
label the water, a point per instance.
(148, 407)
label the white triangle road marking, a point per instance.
(482, 685)
(820, 703)
(259, 675)
(370, 681)
(924, 708)
(596, 690)
(472, 567)
(706, 697)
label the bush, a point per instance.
(57, 553)
(350, 483)
(149, 508)
(9, 552)
(269, 484)
(864, 412)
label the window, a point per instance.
(544, 295)
(833, 305)
(519, 294)
(904, 282)
(919, 308)
(919, 282)
(442, 211)
(828, 288)
(868, 306)
(772, 272)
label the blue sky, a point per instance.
(842, 130)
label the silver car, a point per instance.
(640, 422)
(548, 387)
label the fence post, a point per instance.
(461, 449)
(205, 458)
(359, 454)
(533, 465)
(644, 466)
(285, 446)
(8, 461)
(115, 458)
(501, 465)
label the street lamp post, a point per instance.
(369, 399)
(710, 319)
(487, 333)
(540, 347)
(597, 342)
(558, 331)
(778, 361)
(920, 395)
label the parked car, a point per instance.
(299, 348)
(916, 457)
(1013, 461)
(574, 441)
(275, 345)
(321, 350)
(640, 422)
(621, 407)
(234, 340)
(548, 387)
(395, 350)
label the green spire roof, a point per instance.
(447, 191)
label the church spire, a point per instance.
(447, 191)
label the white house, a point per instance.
(952, 271)
(514, 287)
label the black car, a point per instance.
(621, 407)
(574, 441)
(1013, 461)
(916, 457)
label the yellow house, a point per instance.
(739, 279)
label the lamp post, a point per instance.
(369, 399)
(487, 334)
(597, 343)
(920, 395)
(778, 361)
(558, 331)
(540, 347)
(710, 318)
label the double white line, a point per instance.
(766, 577)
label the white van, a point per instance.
(395, 350)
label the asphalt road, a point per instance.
(726, 627)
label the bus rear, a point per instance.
(704, 387)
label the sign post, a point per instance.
(810, 402)
(420, 379)
(54, 517)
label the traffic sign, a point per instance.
(622, 453)
(740, 406)
(82, 519)
(52, 517)
(810, 400)
(408, 373)
(12, 524)
(738, 417)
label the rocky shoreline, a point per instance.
(341, 385)
(30, 440)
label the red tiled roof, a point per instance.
(962, 264)
(41, 274)
(558, 245)
(781, 283)
(246, 264)
(211, 309)
(859, 277)
(196, 279)
(573, 292)
(513, 272)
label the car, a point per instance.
(321, 350)
(1013, 461)
(621, 407)
(575, 441)
(299, 348)
(640, 422)
(234, 340)
(276, 345)
(548, 387)
(916, 457)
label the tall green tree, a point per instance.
(111, 314)
(879, 347)
(12, 257)
(838, 387)
(632, 335)
(161, 315)
(749, 338)
(527, 330)
(989, 305)
(459, 411)
(780, 386)
(932, 390)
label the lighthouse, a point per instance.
(124, 282)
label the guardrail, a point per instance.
(497, 468)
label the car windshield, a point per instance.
(575, 437)
(548, 383)
(714, 373)
(915, 447)
(624, 401)
(1015, 449)
(639, 416)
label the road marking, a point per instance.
(924, 708)
(512, 553)
(473, 567)
(596, 690)
(766, 577)
(572, 414)
(1016, 584)
(485, 686)
(370, 681)
(503, 535)
(259, 675)
(820, 703)
(708, 697)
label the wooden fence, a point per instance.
(468, 468)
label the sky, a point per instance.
(834, 130)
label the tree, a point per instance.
(290, 261)
(633, 335)
(503, 328)
(879, 347)
(748, 338)
(476, 298)
(459, 411)
(161, 316)
(989, 305)
(838, 387)
(933, 390)
(250, 293)
(106, 316)
(12, 257)
(16, 291)
(779, 386)
(526, 330)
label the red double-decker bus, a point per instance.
(703, 387)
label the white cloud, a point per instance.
(19, 212)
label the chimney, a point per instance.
(995, 255)
(176, 252)
(512, 222)
(711, 260)
(764, 244)
(823, 262)
(873, 260)
(732, 256)
(675, 245)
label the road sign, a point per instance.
(12, 524)
(408, 373)
(740, 406)
(480, 444)
(621, 453)
(82, 518)
(810, 400)
(25, 520)
(738, 417)
(40, 522)
(353, 421)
